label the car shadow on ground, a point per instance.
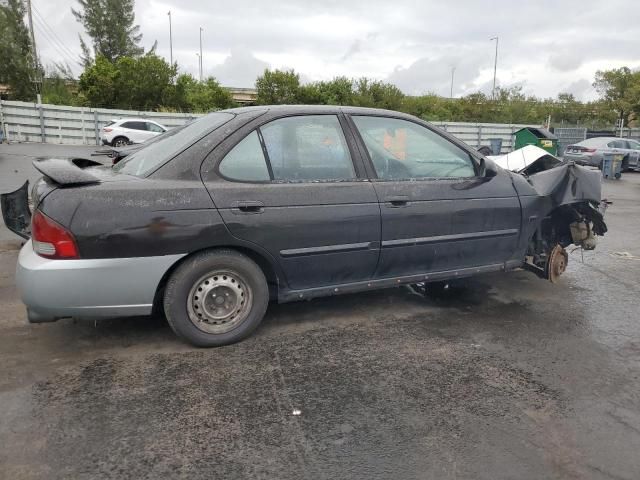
(471, 300)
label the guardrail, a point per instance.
(30, 122)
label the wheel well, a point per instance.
(269, 272)
(555, 227)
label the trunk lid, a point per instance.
(57, 173)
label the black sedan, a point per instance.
(212, 221)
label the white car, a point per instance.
(122, 132)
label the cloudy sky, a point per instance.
(547, 46)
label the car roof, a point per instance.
(319, 109)
(597, 141)
(136, 119)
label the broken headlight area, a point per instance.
(577, 224)
(569, 206)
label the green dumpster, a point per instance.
(540, 137)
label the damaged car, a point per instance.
(210, 222)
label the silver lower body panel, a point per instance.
(89, 288)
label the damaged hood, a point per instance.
(564, 183)
(526, 160)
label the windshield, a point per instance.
(169, 144)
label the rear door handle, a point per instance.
(247, 206)
(397, 201)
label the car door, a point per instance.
(437, 213)
(617, 146)
(290, 187)
(135, 131)
(621, 147)
(634, 153)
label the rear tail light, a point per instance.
(105, 129)
(50, 239)
(582, 149)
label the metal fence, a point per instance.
(568, 136)
(479, 134)
(29, 122)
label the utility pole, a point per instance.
(34, 52)
(201, 53)
(495, 68)
(621, 126)
(453, 70)
(170, 39)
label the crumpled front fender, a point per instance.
(568, 183)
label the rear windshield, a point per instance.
(594, 142)
(169, 144)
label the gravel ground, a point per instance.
(505, 377)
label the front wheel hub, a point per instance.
(556, 263)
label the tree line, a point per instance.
(510, 104)
(119, 73)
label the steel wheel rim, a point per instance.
(219, 301)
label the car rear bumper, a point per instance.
(582, 159)
(88, 288)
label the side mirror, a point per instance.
(487, 169)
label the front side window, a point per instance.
(245, 162)
(307, 148)
(152, 127)
(400, 149)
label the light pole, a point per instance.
(201, 53)
(170, 39)
(495, 68)
(453, 70)
(34, 53)
(199, 66)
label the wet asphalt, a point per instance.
(505, 376)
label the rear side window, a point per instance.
(307, 148)
(400, 149)
(245, 162)
(135, 125)
(618, 144)
(164, 147)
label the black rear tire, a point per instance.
(120, 142)
(201, 268)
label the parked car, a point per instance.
(591, 151)
(119, 133)
(118, 153)
(285, 203)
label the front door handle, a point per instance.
(247, 206)
(397, 201)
